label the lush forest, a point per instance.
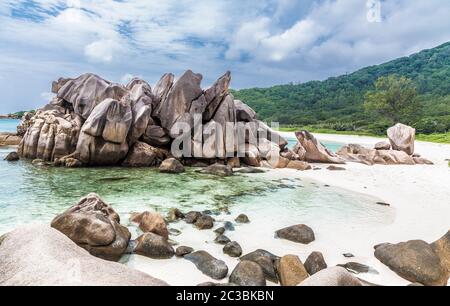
(338, 102)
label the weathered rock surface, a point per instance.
(144, 155)
(154, 246)
(94, 226)
(291, 271)
(315, 263)
(402, 138)
(151, 222)
(171, 165)
(242, 218)
(174, 214)
(297, 233)
(218, 169)
(313, 150)
(94, 122)
(222, 239)
(382, 145)
(208, 265)
(13, 156)
(334, 276)
(267, 261)
(181, 251)
(38, 255)
(359, 154)
(204, 222)
(233, 249)
(442, 249)
(9, 139)
(248, 273)
(415, 261)
(298, 165)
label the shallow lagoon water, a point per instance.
(341, 219)
(9, 125)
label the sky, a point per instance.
(262, 42)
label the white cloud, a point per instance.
(102, 50)
(263, 42)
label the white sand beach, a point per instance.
(420, 209)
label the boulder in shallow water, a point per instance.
(192, 216)
(204, 222)
(208, 265)
(174, 214)
(415, 261)
(171, 165)
(151, 222)
(332, 277)
(12, 156)
(154, 246)
(218, 169)
(315, 263)
(38, 255)
(291, 271)
(402, 138)
(297, 233)
(242, 218)
(94, 226)
(248, 273)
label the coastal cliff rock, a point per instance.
(38, 255)
(94, 226)
(402, 138)
(94, 122)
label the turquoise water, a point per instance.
(29, 194)
(9, 125)
(331, 145)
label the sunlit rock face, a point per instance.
(94, 122)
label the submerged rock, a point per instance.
(38, 255)
(154, 246)
(204, 222)
(297, 233)
(94, 226)
(228, 226)
(208, 265)
(248, 273)
(315, 263)
(171, 165)
(218, 169)
(335, 168)
(233, 249)
(174, 214)
(242, 218)
(291, 271)
(13, 156)
(415, 261)
(192, 216)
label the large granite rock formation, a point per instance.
(310, 149)
(94, 122)
(94, 226)
(38, 255)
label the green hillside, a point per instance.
(338, 102)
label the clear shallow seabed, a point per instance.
(37, 194)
